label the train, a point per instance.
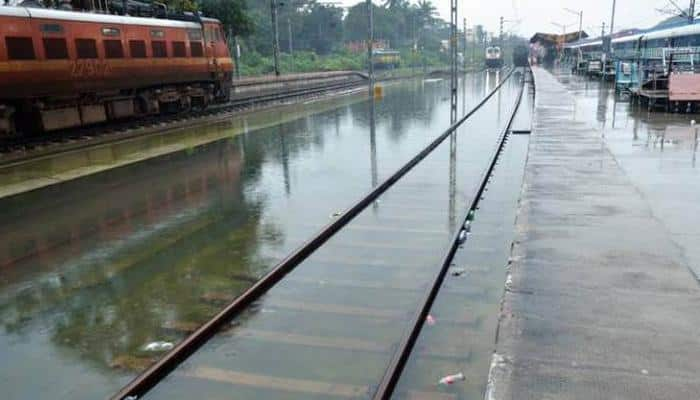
(388, 59)
(650, 48)
(63, 69)
(494, 57)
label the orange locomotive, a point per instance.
(61, 69)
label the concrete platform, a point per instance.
(600, 302)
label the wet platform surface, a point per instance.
(601, 301)
(96, 268)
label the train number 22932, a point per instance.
(90, 69)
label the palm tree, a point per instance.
(393, 4)
(426, 11)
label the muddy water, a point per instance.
(95, 269)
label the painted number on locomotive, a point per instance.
(90, 69)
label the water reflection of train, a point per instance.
(494, 57)
(107, 215)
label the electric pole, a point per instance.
(602, 33)
(289, 28)
(370, 47)
(608, 48)
(453, 49)
(580, 26)
(500, 35)
(580, 21)
(275, 37)
(464, 45)
(691, 12)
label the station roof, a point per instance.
(554, 38)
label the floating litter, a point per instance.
(430, 320)
(159, 346)
(459, 271)
(450, 379)
(336, 214)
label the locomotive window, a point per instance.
(110, 31)
(159, 49)
(51, 28)
(194, 34)
(196, 49)
(113, 49)
(179, 49)
(137, 48)
(157, 34)
(86, 48)
(20, 48)
(55, 49)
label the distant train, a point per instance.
(648, 47)
(521, 56)
(494, 57)
(62, 69)
(387, 59)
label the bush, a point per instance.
(253, 63)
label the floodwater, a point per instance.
(658, 151)
(94, 270)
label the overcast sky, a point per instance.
(538, 15)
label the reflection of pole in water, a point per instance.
(336, 116)
(464, 95)
(601, 116)
(373, 144)
(488, 82)
(498, 100)
(453, 182)
(285, 160)
(614, 111)
(453, 155)
(695, 143)
(635, 129)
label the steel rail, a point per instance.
(393, 373)
(153, 375)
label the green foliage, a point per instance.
(233, 14)
(302, 61)
(181, 5)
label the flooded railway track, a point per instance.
(19, 149)
(374, 314)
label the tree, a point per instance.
(322, 27)
(394, 4)
(233, 14)
(426, 12)
(181, 5)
